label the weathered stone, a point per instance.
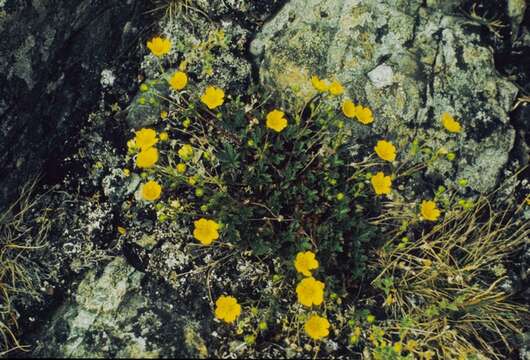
(113, 315)
(381, 76)
(516, 11)
(145, 108)
(420, 61)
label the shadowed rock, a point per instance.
(53, 53)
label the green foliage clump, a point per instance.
(278, 193)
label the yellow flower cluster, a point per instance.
(144, 142)
(311, 292)
(321, 85)
(363, 114)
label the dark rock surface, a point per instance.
(53, 53)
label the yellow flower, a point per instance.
(319, 85)
(185, 152)
(227, 308)
(349, 109)
(385, 150)
(178, 81)
(151, 191)
(206, 231)
(159, 46)
(429, 211)
(213, 97)
(276, 120)
(145, 138)
(364, 115)
(122, 230)
(310, 292)
(164, 136)
(181, 168)
(336, 88)
(382, 184)
(317, 327)
(305, 262)
(147, 158)
(163, 115)
(450, 123)
(126, 172)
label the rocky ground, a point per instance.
(70, 100)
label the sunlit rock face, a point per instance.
(409, 62)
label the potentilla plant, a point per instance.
(260, 177)
(242, 172)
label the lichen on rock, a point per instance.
(113, 315)
(420, 61)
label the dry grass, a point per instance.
(522, 100)
(449, 282)
(19, 275)
(177, 8)
(492, 24)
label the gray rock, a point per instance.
(382, 76)
(436, 66)
(145, 108)
(112, 315)
(117, 186)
